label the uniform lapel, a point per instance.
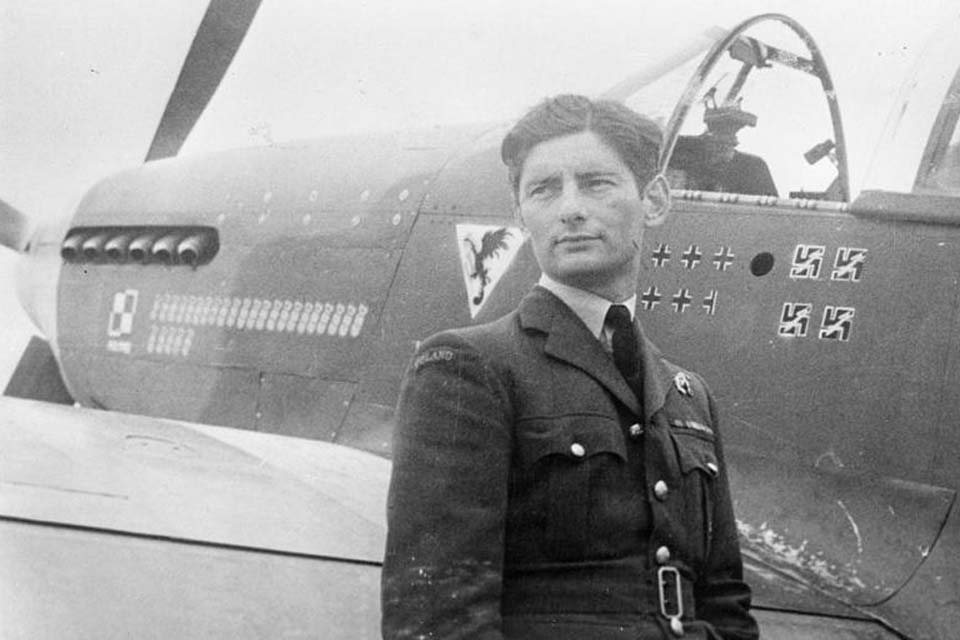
(569, 340)
(656, 375)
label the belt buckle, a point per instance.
(668, 583)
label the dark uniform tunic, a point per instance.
(535, 495)
(743, 173)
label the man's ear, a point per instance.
(657, 197)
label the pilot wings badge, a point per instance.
(486, 252)
(682, 383)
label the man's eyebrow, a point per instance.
(538, 178)
(598, 173)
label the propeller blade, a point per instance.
(37, 376)
(630, 85)
(14, 227)
(218, 38)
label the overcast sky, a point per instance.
(84, 83)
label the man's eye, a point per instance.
(538, 191)
(599, 183)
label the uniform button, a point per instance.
(663, 555)
(660, 490)
(714, 469)
(676, 627)
(635, 430)
(577, 449)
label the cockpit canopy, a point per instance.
(768, 79)
(762, 99)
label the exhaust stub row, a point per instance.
(187, 245)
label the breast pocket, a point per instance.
(696, 451)
(699, 466)
(573, 472)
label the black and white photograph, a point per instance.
(480, 320)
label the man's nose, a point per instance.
(571, 205)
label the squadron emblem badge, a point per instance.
(486, 252)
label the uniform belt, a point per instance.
(601, 588)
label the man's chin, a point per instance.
(584, 273)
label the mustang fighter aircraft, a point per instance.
(199, 446)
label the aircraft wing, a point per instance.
(114, 525)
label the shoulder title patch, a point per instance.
(438, 354)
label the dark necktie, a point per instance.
(623, 341)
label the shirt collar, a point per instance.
(589, 307)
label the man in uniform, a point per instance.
(555, 477)
(712, 162)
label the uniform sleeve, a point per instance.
(723, 598)
(446, 510)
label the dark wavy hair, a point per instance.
(635, 138)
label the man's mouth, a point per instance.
(574, 238)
